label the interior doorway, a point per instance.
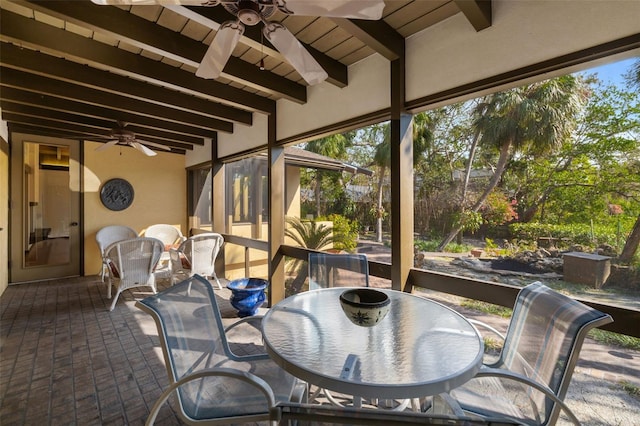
(45, 208)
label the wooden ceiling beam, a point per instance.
(54, 133)
(100, 124)
(58, 68)
(18, 29)
(477, 12)
(162, 41)
(378, 35)
(62, 89)
(78, 130)
(24, 97)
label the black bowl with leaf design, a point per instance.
(365, 306)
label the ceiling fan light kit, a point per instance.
(252, 12)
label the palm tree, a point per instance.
(381, 159)
(535, 118)
(308, 234)
(334, 146)
(423, 126)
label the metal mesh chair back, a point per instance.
(192, 337)
(543, 344)
(338, 270)
(545, 336)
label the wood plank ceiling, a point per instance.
(73, 68)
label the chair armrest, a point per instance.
(254, 321)
(245, 320)
(483, 325)
(244, 376)
(446, 404)
(504, 374)
(174, 255)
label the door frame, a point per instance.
(4, 214)
(17, 272)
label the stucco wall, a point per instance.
(453, 53)
(244, 137)
(523, 33)
(159, 184)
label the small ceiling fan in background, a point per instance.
(252, 12)
(121, 136)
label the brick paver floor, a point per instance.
(65, 359)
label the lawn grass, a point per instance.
(487, 308)
(630, 388)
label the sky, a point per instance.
(613, 72)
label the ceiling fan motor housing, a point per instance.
(251, 12)
(123, 134)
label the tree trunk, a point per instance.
(631, 246)
(529, 213)
(318, 187)
(502, 164)
(379, 206)
(299, 280)
(467, 172)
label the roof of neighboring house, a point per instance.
(299, 157)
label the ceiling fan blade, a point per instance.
(359, 9)
(147, 2)
(107, 145)
(294, 52)
(220, 49)
(155, 145)
(143, 149)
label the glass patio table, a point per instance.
(421, 348)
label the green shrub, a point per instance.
(345, 232)
(571, 233)
(432, 245)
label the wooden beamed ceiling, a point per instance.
(74, 69)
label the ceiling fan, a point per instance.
(121, 136)
(252, 12)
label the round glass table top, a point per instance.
(420, 348)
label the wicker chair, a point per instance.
(196, 255)
(132, 263)
(107, 236)
(530, 378)
(212, 384)
(168, 234)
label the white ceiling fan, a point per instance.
(252, 12)
(121, 136)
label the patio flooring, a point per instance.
(65, 359)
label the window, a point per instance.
(246, 183)
(200, 198)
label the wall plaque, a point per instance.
(116, 194)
